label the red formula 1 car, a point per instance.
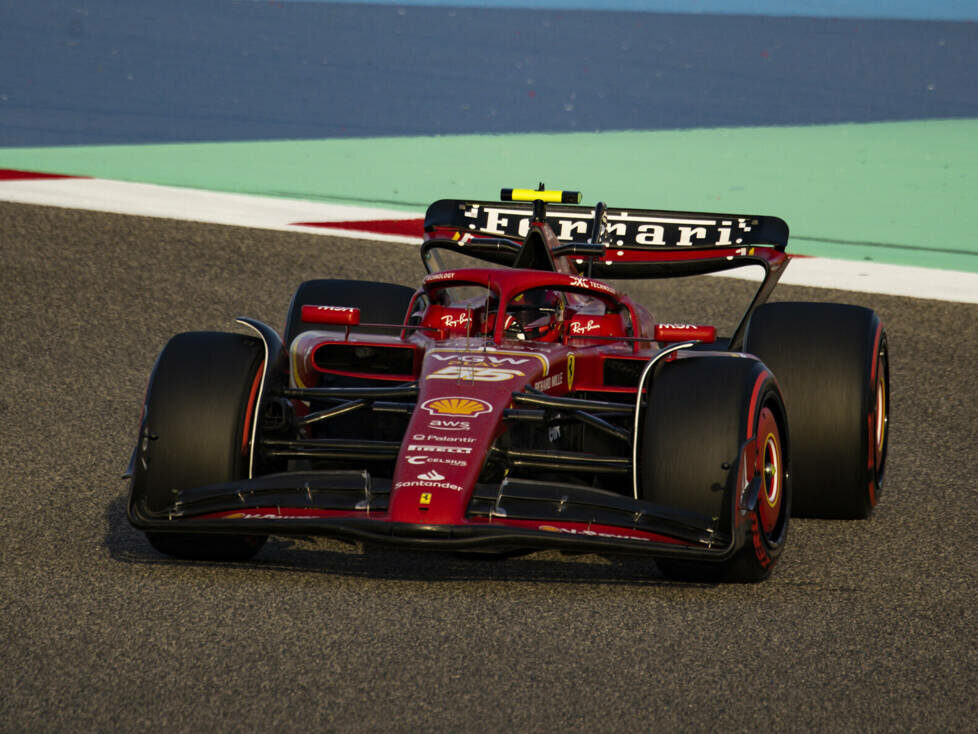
(516, 402)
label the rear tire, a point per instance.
(701, 411)
(379, 303)
(832, 363)
(200, 406)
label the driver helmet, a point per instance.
(535, 314)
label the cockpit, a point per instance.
(499, 305)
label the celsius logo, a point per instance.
(431, 476)
(435, 460)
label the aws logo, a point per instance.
(449, 425)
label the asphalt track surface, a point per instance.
(865, 626)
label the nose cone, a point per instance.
(463, 394)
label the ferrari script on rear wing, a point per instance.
(626, 227)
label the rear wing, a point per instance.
(644, 229)
(606, 242)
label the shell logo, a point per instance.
(456, 406)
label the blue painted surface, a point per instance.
(75, 72)
(906, 9)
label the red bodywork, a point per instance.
(481, 345)
(467, 368)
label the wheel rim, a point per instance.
(770, 467)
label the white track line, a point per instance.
(873, 277)
(243, 210)
(195, 205)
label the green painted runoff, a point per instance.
(898, 192)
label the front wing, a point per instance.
(516, 514)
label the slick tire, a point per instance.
(832, 363)
(379, 303)
(196, 430)
(711, 425)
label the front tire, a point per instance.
(712, 426)
(196, 430)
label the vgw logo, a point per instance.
(485, 360)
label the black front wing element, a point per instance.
(550, 504)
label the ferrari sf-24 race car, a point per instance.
(516, 402)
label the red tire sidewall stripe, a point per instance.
(876, 350)
(756, 527)
(873, 458)
(754, 407)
